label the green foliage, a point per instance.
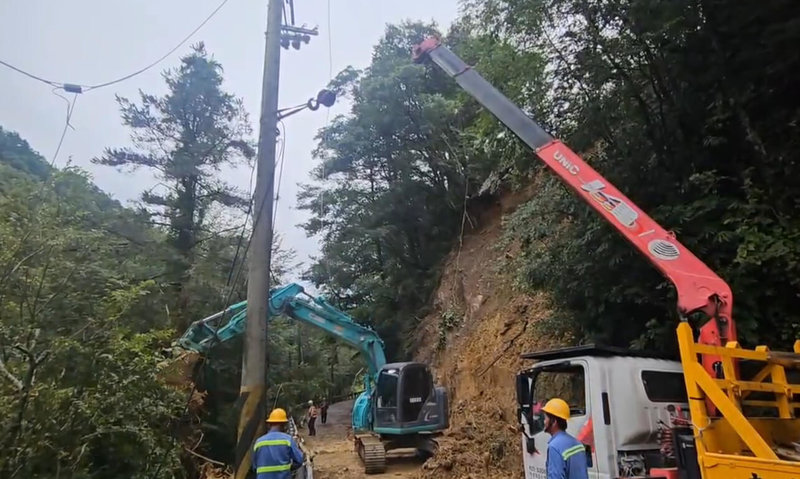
(17, 154)
(184, 138)
(447, 321)
(683, 105)
(686, 109)
(88, 291)
(394, 174)
(81, 325)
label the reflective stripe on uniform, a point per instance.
(272, 442)
(282, 467)
(572, 451)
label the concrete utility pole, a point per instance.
(253, 391)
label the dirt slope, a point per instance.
(473, 338)
(477, 359)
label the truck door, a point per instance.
(567, 380)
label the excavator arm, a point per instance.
(292, 301)
(698, 287)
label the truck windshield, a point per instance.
(567, 383)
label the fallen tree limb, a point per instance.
(204, 457)
(508, 346)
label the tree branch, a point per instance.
(16, 382)
(20, 263)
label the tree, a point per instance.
(84, 322)
(81, 326)
(184, 138)
(655, 94)
(396, 174)
(684, 106)
(392, 191)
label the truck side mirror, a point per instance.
(530, 445)
(523, 391)
(524, 408)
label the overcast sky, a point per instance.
(93, 41)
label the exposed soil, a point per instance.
(334, 456)
(473, 338)
(481, 355)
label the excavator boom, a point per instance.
(291, 301)
(698, 287)
(399, 408)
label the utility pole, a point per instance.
(253, 390)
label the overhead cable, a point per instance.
(81, 88)
(31, 75)
(161, 58)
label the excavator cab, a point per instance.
(406, 400)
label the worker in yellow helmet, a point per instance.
(566, 456)
(276, 454)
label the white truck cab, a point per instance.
(618, 400)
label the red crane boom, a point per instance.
(698, 287)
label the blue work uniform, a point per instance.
(566, 458)
(274, 456)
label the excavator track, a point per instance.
(372, 454)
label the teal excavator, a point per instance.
(400, 406)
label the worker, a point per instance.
(323, 411)
(312, 418)
(276, 454)
(566, 456)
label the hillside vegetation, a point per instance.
(93, 293)
(687, 106)
(437, 226)
(444, 228)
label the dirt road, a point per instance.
(334, 456)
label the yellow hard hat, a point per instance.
(558, 408)
(277, 415)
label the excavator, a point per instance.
(638, 414)
(400, 407)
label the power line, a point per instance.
(156, 62)
(244, 229)
(81, 88)
(330, 44)
(70, 109)
(31, 75)
(280, 173)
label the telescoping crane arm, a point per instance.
(292, 301)
(698, 287)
